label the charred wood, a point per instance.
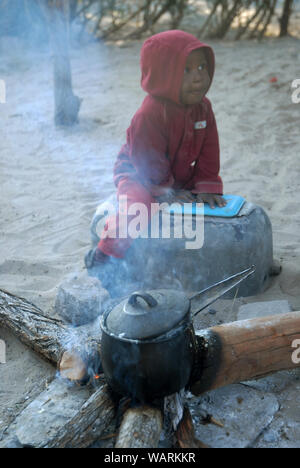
(185, 433)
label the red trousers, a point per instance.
(110, 243)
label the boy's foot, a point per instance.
(112, 272)
(95, 258)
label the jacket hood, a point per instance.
(163, 58)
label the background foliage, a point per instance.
(133, 18)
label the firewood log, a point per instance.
(51, 338)
(87, 426)
(43, 334)
(230, 353)
(140, 428)
(63, 416)
(247, 349)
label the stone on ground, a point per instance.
(80, 299)
(263, 309)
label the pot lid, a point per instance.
(148, 314)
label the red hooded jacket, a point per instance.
(169, 144)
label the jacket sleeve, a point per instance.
(206, 177)
(148, 147)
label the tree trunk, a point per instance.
(67, 105)
(113, 29)
(179, 10)
(269, 18)
(151, 20)
(243, 29)
(210, 17)
(259, 21)
(226, 23)
(284, 20)
(244, 350)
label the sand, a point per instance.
(51, 180)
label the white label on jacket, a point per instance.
(200, 124)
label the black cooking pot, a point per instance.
(146, 346)
(148, 340)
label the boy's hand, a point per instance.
(184, 196)
(177, 196)
(212, 199)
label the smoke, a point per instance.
(23, 19)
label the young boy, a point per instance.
(172, 148)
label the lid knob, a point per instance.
(133, 307)
(147, 314)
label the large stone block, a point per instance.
(80, 299)
(263, 309)
(242, 411)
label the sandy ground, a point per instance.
(51, 180)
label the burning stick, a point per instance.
(72, 367)
(185, 433)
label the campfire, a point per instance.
(230, 353)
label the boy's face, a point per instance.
(196, 79)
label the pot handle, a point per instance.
(147, 298)
(209, 295)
